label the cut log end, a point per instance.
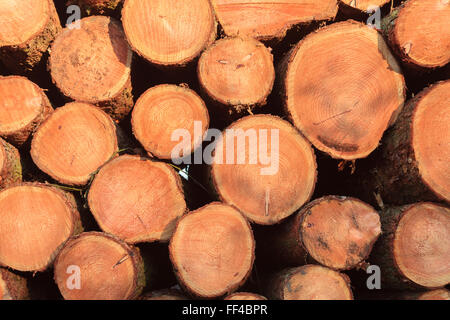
(99, 52)
(237, 72)
(344, 101)
(74, 142)
(22, 108)
(422, 245)
(276, 184)
(339, 232)
(12, 286)
(107, 268)
(365, 5)
(20, 21)
(245, 296)
(166, 294)
(10, 165)
(180, 29)
(212, 250)
(422, 33)
(35, 220)
(438, 294)
(164, 109)
(311, 282)
(137, 199)
(26, 30)
(266, 20)
(431, 123)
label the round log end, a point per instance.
(12, 286)
(20, 21)
(237, 72)
(266, 20)
(137, 199)
(212, 250)
(422, 32)
(311, 282)
(74, 142)
(245, 296)
(22, 108)
(35, 220)
(339, 232)
(91, 63)
(422, 244)
(276, 183)
(97, 266)
(438, 294)
(365, 5)
(154, 122)
(430, 137)
(169, 32)
(344, 101)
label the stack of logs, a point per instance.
(97, 200)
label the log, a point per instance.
(23, 107)
(343, 101)
(212, 250)
(36, 219)
(419, 32)
(437, 294)
(10, 166)
(92, 64)
(94, 7)
(309, 282)
(237, 74)
(268, 20)
(165, 294)
(337, 232)
(12, 286)
(169, 32)
(415, 154)
(414, 250)
(26, 30)
(74, 142)
(245, 296)
(364, 5)
(108, 268)
(137, 199)
(153, 120)
(274, 188)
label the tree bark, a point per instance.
(342, 88)
(12, 286)
(414, 156)
(105, 81)
(212, 250)
(27, 29)
(245, 296)
(10, 166)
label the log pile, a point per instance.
(225, 149)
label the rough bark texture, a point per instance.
(11, 171)
(395, 176)
(23, 58)
(91, 7)
(12, 286)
